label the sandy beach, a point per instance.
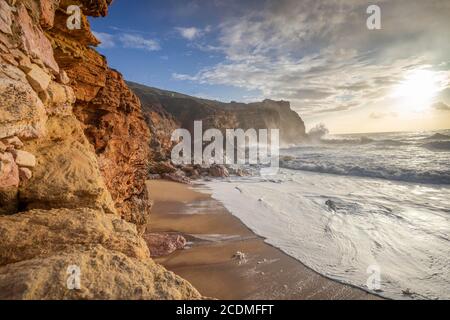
(215, 236)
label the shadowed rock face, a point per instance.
(259, 115)
(74, 148)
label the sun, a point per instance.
(417, 91)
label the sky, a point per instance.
(318, 54)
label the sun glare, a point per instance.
(417, 91)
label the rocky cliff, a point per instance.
(74, 149)
(214, 114)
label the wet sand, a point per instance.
(214, 237)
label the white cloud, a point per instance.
(319, 54)
(138, 42)
(126, 40)
(192, 33)
(106, 39)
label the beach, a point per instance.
(215, 236)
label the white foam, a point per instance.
(402, 228)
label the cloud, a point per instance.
(192, 33)
(189, 33)
(441, 106)
(106, 39)
(126, 40)
(320, 55)
(382, 115)
(138, 42)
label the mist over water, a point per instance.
(348, 202)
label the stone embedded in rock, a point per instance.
(38, 78)
(61, 94)
(5, 17)
(25, 174)
(34, 41)
(63, 77)
(9, 172)
(22, 113)
(24, 158)
(14, 141)
(47, 14)
(25, 64)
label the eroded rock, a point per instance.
(163, 244)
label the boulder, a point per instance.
(163, 244)
(218, 171)
(104, 275)
(24, 158)
(161, 167)
(39, 246)
(41, 233)
(176, 178)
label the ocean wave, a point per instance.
(364, 141)
(438, 136)
(406, 175)
(438, 145)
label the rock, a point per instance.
(14, 141)
(218, 171)
(104, 275)
(22, 113)
(35, 43)
(162, 167)
(407, 292)
(240, 257)
(67, 174)
(3, 147)
(154, 177)
(47, 13)
(38, 78)
(5, 17)
(25, 174)
(9, 171)
(24, 158)
(163, 244)
(41, 233)
(176, 178)
(63, 77)
(39, 246)
(194, 175)
(25, 64)
(61, 94)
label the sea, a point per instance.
(368, 210)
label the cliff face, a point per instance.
(214, 114)
(73, 157)
(109, 112)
